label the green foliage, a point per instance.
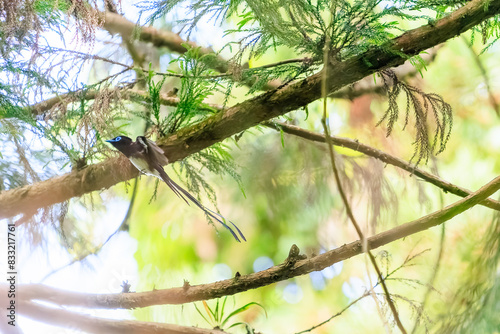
(51, 11)
(7, 101)
(489, 30)
(31, 71)
(217, 9)
(154, 90)
(216, 317)
(194, 89)
(301, 25)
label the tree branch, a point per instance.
(115, 23)
(294, 265)
(249, 113)
(355, 145)
(91, 94)
(65, 318)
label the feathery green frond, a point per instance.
(420, 104)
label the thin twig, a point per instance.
(91, 94)
(366, 294)
(434, 272)
(123, 227)
(324, 92)
(87, 56)
(382, 317)
(225, 75)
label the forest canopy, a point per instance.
(349, 147)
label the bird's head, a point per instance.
(120, 142)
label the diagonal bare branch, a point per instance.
(355, 145)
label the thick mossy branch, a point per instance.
(420, 104)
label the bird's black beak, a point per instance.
(109, 140)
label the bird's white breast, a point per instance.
(143, 167)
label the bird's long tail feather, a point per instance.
(181, 192)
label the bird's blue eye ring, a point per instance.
(114, 140)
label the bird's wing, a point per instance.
(153, 150)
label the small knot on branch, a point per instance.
(294, 256)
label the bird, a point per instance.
(149, 159)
